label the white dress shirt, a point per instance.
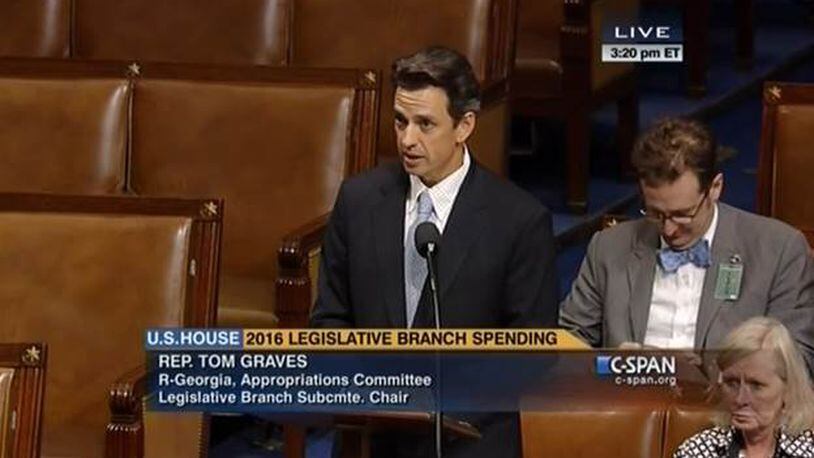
(443, 196)
(675, 301)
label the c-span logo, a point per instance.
(637, 370)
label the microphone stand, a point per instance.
(436, 312)
(426, 242)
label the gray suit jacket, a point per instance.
(609, 302)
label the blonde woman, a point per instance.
(767, 398)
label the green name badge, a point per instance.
(728, 284)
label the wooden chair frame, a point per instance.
(775, 95)
(578, 99)
(29, 361)
(125, 433)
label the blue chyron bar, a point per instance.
(221, 375)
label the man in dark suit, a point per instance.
(496, 255)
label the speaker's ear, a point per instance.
(465, 127)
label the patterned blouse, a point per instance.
(726, 443)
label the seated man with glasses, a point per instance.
(693, 268)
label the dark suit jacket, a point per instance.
(495, 268)
(495, 260)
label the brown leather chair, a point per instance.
(35, 29)
(577, 413)
(786, 163)
(276, 143)
(558, 73)
(247, 32)
(592, 425)
(373, 33)
(87, 275)
(682, 422)
(592, 433)
(264, 116)
(22, 382)
(650, 429)
(63, 127)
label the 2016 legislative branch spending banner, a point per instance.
(331, 370)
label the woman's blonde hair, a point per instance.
(764, 333)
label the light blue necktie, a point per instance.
(698, 254)
(415, 267)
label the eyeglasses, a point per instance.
(682, 219)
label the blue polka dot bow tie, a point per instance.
(698, 254)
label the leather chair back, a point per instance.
(538, 68)
(35, 28)
(594, 432)
(577, 413)
(538, 29)
(376, 32)
(602, 12)
(682, 422)
(62, 133)
(87, 276)
(539, 43)
(276, 144)
(396, 27)
(247, 32)
(786, 163)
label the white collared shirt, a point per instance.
(675, 301)
(443, 196)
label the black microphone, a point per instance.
(426, 238)
(426, 243)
